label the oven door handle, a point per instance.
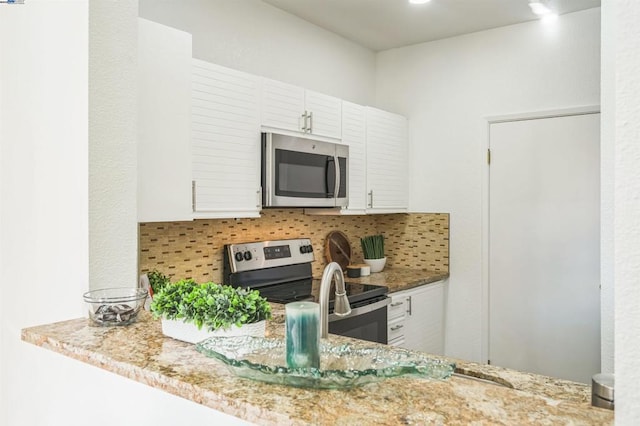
(362, 310)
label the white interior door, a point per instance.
(544, 246)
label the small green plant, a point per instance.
(210, 305)
(372, 246)
(157, 280)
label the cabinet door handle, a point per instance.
(310, 126)
(193, 195)
(409, 305)
(393, 305)
(397, 327)
(259, 197)
(303, 126)
(371, 198)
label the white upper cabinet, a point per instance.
(387, 162)
(225, 129)
(378, 161)
(289, 107)
(199, 127)
(282, 105)
(164, 145)
(324, 114)
(354, 134)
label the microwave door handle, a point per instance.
(327, 176)
(336, 190)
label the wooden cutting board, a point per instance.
(338, 249)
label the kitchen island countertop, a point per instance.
(141, 352)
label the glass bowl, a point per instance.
(115, 306)
(341, 366)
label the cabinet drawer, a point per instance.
(397, 308)
(395, 329)
(398, 341)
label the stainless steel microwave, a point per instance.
(302, 172)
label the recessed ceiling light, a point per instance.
(539, 7)
(419, 1)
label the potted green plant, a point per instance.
(157, 281)
(373, 251)
(193, 312)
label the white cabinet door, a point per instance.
(164, 108)
(225, 142)
(387, 162)
(282, 105)
(354, 134)
(324, 114)
(289, 107)
(422, 326)
(424, 330)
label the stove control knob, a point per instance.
(238, 256)
(309, 248)
(247, 255)
(303, 249)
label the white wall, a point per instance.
(607, 190)
(447, 88)
(255, 37)
(622, 47)
(113, 222)
(43, 177)
(45, 105)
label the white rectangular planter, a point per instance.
(188, 332)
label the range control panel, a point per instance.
(268, 254)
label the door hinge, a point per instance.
(488, 156)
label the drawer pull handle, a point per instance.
(396, 304)
(397, 327)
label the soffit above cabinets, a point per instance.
(385, 24)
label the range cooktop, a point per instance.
(309, 289)
(281, 271)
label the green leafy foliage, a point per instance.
(372, 246)
(210, 305)
(157, 280)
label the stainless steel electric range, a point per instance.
(281, 271)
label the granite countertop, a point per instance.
(141, 352)
(398, 279)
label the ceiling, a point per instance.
(385, 24)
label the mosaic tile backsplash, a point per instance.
(195, 249)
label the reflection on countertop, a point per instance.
(141, 352)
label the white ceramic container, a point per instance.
(376, 265)
(188, 332)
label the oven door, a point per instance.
(368, 322)
(299, 172)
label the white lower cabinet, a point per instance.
(416, 318)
